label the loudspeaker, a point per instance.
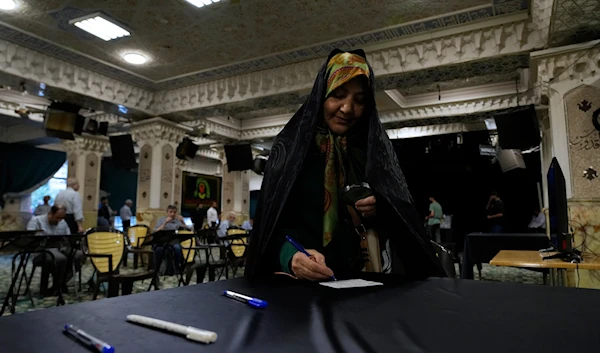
(510, 159)
(103, 128)
(123, 155)
(187, 149)
(518, 129)
(62, 120)
(239, 156)
(259, 165)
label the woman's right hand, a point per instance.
(311, 268)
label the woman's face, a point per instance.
(345, 106)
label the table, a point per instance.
(435, 315)
(533, 259)
(482, 247)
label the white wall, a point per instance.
(255, 181)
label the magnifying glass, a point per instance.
(355, 192)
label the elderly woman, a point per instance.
(336, 140)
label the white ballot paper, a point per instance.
(350, 283)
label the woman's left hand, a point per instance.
(367, 206)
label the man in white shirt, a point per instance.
(126, 214)
(212, 217)
(43, 209)
(71, 200)
(53, 223)
(538, 222)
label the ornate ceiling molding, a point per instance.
(502, 39)
(203, 152)
(85, 144)
(158, 129)
(31, 64)
(458, 108)
(571, 62)
(430, 130)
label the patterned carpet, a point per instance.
(489, 273)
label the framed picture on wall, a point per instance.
(199, 188)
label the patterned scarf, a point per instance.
(341, 68)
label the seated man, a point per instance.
(54, 223)
(247, 225)
(226, 224)
(171, 221)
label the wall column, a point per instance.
(84, 156)
(157, 173)
(569, 78)
(236, 194)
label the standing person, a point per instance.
(198, 216)
(53, 223)
(212, 216)
(125, 213)
(434, 218)
(44, 208)
(495, 211)
(334, 140)
(104, 210)
(71, 199)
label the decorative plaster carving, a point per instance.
(210, 154)
(31, 64)
(97, 144)
(158, 129)
(571, 62)
(501, 39)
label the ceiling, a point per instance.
(574, 21)
(239, 35)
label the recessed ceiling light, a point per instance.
(99, 25)
(135, 58)
(7, 5)
(200, 3)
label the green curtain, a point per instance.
(23, 166)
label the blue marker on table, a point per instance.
(302, 250)
(89, 340)
(253, 302)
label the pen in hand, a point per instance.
(301, 249)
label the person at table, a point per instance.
(434, 219)
(71, 199)
(172, 221)
(336, 139)
(43, 208)
(538, 222)
(212, 216)
(225, 225)
(495, 212)
(125, 214)
(247, 225)
(53, 223)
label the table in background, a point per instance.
(533, 259)
(435, 315)
(482, 247)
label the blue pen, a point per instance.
(253, 302)
(89, 340)
(302, 250)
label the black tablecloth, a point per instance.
(482, 247)
(435, 315)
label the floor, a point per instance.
(489, 273)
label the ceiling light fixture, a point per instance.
(201, 3)
(101, 26)
(7, 5)
(135, 58)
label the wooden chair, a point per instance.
(136, 236)
(105, 248)
(237, 248)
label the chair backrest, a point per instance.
(106, 243)
(238, 246)
(187, 246)
(137, 234)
